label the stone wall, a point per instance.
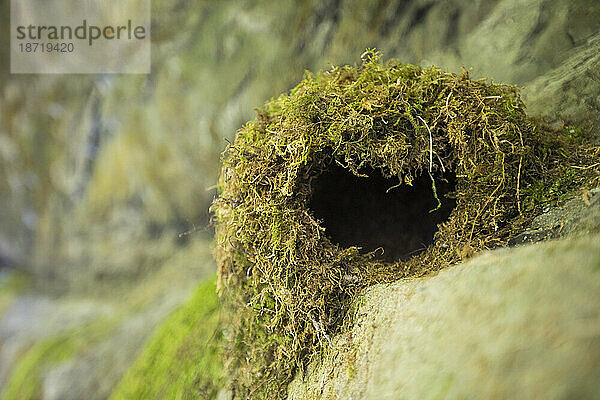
(95, 163)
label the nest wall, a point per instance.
(460, 156)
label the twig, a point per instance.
(439, 203)
(395, 186)
(430, 143)
(441, 163)
(481, 209)
(195, 229)
(587, 167)
(447, 107)
(519, 174)
(320, 331)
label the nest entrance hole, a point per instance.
(358, 211)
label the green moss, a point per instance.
(26, 378)
(287, 286)
(183, 360)
(560, 170)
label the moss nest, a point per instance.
(363, 175)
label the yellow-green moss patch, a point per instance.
(26, 378)
(183, 360)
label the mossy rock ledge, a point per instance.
(364, 175)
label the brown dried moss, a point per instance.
(288, 287)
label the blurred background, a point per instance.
(100, 173)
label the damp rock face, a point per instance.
(510, 323)
(362, 175)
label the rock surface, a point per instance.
(579, 216)
(511, 323)
(92, 162)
